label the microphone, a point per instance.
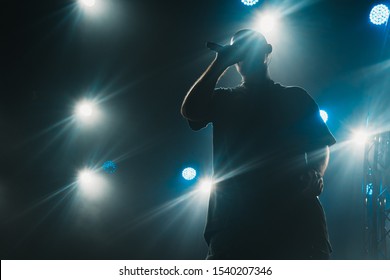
(215, 47)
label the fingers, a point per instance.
(313, 183)
(230, 55)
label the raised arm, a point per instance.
(197, 103)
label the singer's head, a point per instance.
(255, 49)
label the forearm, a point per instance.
(198, 100)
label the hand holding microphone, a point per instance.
(226, 55)
(215, 47)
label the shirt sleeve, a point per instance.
(314, 133)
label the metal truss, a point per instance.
(376, 187)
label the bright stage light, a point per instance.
(87, 112)
(188, 173)
(379, 14)
(87, 3)
(324, 115)
(267, 22)
(91, 184)
(249, 2)
(84, 109)
(369, 189)
(360, 137)
(85, 177)
(206, 186)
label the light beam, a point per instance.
(87, 3)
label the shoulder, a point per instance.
(299, 95)
(297, 92)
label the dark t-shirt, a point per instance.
(260, 137)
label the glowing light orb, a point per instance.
(84, 109)
(206, 185)
(324, 115)
(360, 137)
(88, 3)
(267, 22)
(369, 189)
(188, 173)
(85, 176)
(249, 2)
(379, 14)
(109, 166)
(91, 185)
(86, 181)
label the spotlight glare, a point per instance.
(87, 112)
(360, 137)
(206, 186)
(84, 109)
(85, 176)
(249, 2)
(88, 3)
(379, 14)
(267, 22)
(324, 115)
(188, 173)
(91, 185)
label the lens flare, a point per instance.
(87, 112)
(206, 185)
(360, 137)
(91, 184)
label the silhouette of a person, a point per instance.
(270, 152)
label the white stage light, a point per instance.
(86, 111)
(360, 137)
(206, 186)
(91, 184)
(267, 22)
(86, 181)
(85, 176)
(87, 3)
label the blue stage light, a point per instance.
(324, 115)
(109, 166)
(249, 2)
(188, 173)
(379, 14)
(369, 189)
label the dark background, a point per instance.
(138, 59)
